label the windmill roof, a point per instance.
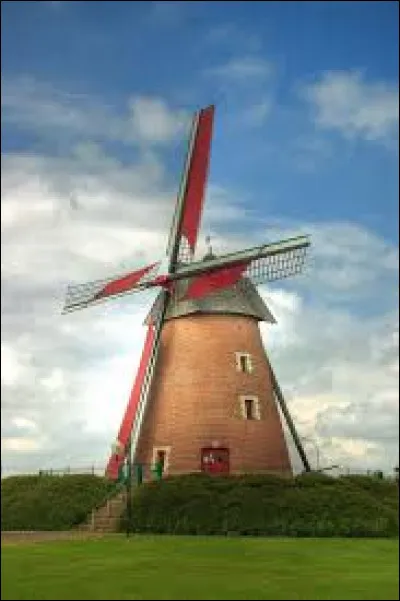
(240, 299)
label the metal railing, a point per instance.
(148, 471)
(95, 470)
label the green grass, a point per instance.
(167, 567)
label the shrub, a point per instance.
(307, 505)
(383, 490)
(50, 502)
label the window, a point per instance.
(250, 407)
(243, 363)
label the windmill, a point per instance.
(193, 403)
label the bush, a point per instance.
(384, 490)
(50, 502)
(307, 505)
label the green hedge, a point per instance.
(308, 505)
(384, 490)
(50, 502)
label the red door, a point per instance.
(215, 461)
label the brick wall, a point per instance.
(195, 402)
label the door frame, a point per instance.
(210, 450)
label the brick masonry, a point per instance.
(195, 397)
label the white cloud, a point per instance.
(20, 445)
(243, 70)
(12, 369)
(51, 364)
(233, 37)
(154, 122)
(346, 262)
(54, 381)
(34, 105)
(109, 227)
(221, 208)
(24, 424)
(256, 114)
(246, 86)
(349, 103)
(335, 368)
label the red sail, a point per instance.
(197, 176)
(125, 283)
(117, 459)
(207, 283)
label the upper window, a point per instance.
(250, 407)
(244, 363)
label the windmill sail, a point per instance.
(132, 421)
(261, 264)
(188, 211)
(124, 434)
(207, 283)
(83, 295)
(184, 229)
(127, 282)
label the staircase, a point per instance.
(107, 517)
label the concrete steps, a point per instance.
(107, 517)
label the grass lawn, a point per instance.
(151, 567)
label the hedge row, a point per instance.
(308, 505)
(50, 502)
(384, 490)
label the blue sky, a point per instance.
(112, 50)
(96, 98)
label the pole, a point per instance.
(129, 487)
(281, 400)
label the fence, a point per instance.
(139, 472)
(98, 470)
(148, 471)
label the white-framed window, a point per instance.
(161, 454)
(249, 407)
(244, 363)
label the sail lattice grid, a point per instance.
(277, 267)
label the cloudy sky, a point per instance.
(96, 101)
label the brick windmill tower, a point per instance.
(205, 397)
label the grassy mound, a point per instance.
(308, 505)
(50, 502)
